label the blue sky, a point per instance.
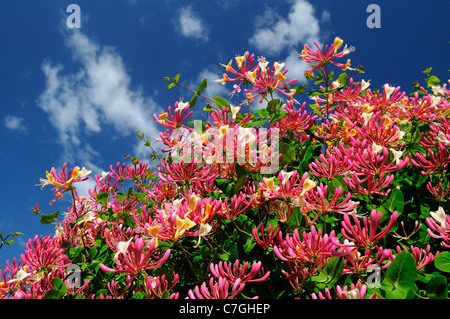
(79, 95)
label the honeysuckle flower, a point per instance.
(242, 73)
(234, 271)
(422, 256)
(268, 81)
(368, 234)
(156, 286)
(21, 275)
(173, 120)
(357, 291)
(122, 248)
(440, 217)
(364, 85)
(203, 231)
(439, 226)
(320, 57)
(216, 289)
(266, 241)
(63, 182)
(138, 258)
(437, 162)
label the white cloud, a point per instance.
(96, 96)
(275, 33)
(14, 122)
(191, 25)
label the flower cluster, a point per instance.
(351, 193)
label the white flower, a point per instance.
(440, 217)
(278, 67)
(366, 117)
(389, 90)
(376, 148)
(352, 294)
(364, 84)
(397, 155)
(441, 138)
(20, 275)
(122, 248)
(204, 230)
(286, 176)
(181, 106)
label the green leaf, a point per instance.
(278, 117)
(202, 86)
(176, 78)
(165, 295)
(193, 100)
(288, 154)
(220, 101)
(400, 276)
(262, 113)
(102, 197)
(330, 274)
(138, 295)
(49, 218)
(301, 88)
(58, 284)
(171, 85)
(54, 294)
(437, 287)
(9, 242)
(396, 201)
(274, 106)
(59, 289)
(240, 183)
(442, 261)
(342, 79)
(225, 185)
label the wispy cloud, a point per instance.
(275, 33)
(191, 25)
(284, 36)
(14, 123)
(96, 96)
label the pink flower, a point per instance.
(320, 58)
(184, 173)
(422, 256)
(357, 291)
(156, 286)
(136, 256)
(238, 205)
(437, 162)
(439, 226)
(266, 81)
(266, 241)
(332, 163)
(216, 290)
(44, 252)
(316, 199)
(180, 114)
(296, 121)
(63, 182)
(368, 234)
(243, 64)
(311, 247)
(235, 271)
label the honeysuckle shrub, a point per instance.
(312, 187)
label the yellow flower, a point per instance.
(240, 60)
(338, 42)
(307, 186)
(182, 224)
(163, 117)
